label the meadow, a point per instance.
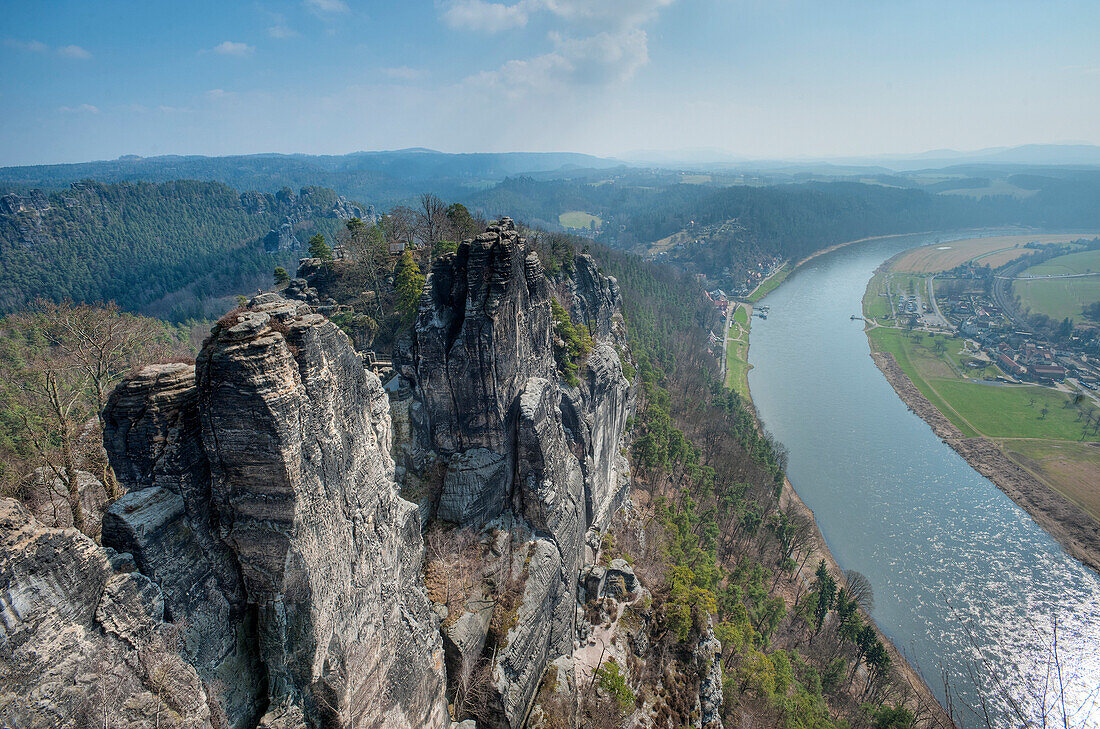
(579, 219)
(995, 251)
(1065, 297)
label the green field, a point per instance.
(1083, 262)
(1061, 298)
(737, 353)
(578, 219)
(977, 408)
(769, 284)
(876, 304)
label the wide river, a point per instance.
(965, 582)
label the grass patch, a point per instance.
(914, 363)
(769, 284)
(974, 407)
(1061, 298)
(579, 219)
(876, 304)
(1072, 469)
(1014, 412)
(737, 353)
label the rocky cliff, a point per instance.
(514, 445)
(267, 536)
(262, 568)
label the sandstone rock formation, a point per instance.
(262, 569)
(83, 640)
(515, 445)
(262, 502)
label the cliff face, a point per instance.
(515, 445)
(262, 568)
(265, 526)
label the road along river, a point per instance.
(965, 582)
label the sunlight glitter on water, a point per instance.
(966, 583)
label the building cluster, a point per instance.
(718, 298)
(1021, 355)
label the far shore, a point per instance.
(1067, 523)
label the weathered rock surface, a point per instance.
(487, 402)
(48, 500)
(82, 643)
(298, 437)
(262, 501)
(152, 433)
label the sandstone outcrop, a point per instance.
(83, 640)
(262, 568)
(262, 502)
(515, 445)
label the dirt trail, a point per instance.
(1075, 530)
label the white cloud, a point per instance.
(219, 94)
(604, 59)
(328, 6)
(232, 48)
(74, 52)
(492, 17)
(486, 17)
(281, 31)
(404, 73)
(82, 109)
(34, 46)
(621, 13)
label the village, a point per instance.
(993, 333)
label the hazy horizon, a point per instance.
(752, 80)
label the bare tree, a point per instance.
(57, 364)
(431, 219)
(101, 341)
(365, 246)
(859, 589)
(399, 225)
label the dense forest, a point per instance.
(169, 249)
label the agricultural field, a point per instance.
(1060, 298)
(579, 219)
(995, 251)
(1072, 469)
(980, 408)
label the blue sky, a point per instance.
(761, 78)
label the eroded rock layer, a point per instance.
(516, 446)
(266, 534)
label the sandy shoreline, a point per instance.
(1073, 529)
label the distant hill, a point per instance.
(382, 178)
(173, 249)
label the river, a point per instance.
(963, 578)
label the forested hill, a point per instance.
(169, 249)
(725, 230)
(384, 178)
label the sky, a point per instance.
(88, 80)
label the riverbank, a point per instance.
(1073, 529)
(927, 709)
(917, 695)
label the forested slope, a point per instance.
(167, 249)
